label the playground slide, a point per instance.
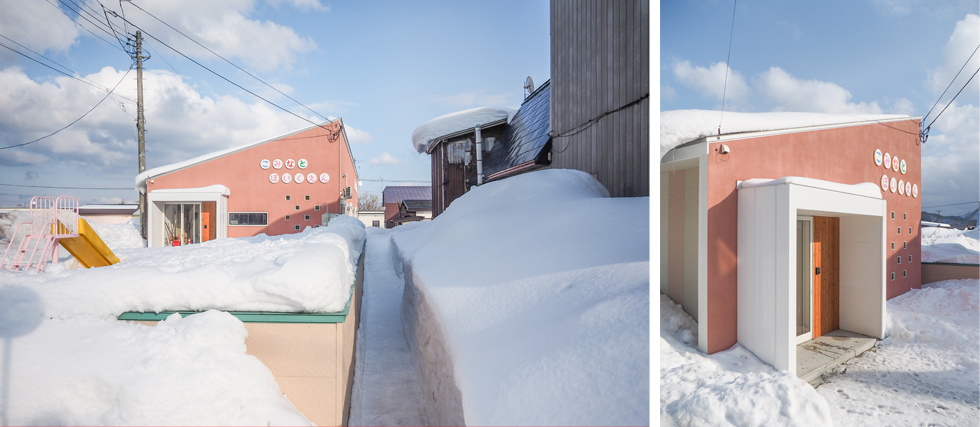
(88, 248)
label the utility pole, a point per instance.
(139, 127)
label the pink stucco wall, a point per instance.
(252, 191)
(844, 155)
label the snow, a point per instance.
(217, 188)
(455, 122)
(119, 236)
(140, 184)
(925, 372)
(311, 271)
(732, 387)
(866, 189)
(680, 126)
(560, 334)
(950, 245)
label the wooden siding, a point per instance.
(449, 181)
(826, 285)
(600, 63)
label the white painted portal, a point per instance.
(767, 264)
(155, 215)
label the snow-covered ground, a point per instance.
(539, 285)
(952, 246)
(67, 361)
(925, 372)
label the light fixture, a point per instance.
(724, 149)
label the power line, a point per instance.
(82, 26)
(954, 204)
(951, 101)
(951, 82)
(76, 120)
(728, 65)
(335, 134)
(68, 188)
(226, 60)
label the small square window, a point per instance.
(376, 223)
(905, 273)
(905, 245)
(287, 197)
(893, 245)
(910, 231)
(905, 217)
(899, 260)
(287, 217)
(307, 197)
(306, 217)
(899, 229)
(893, 214)
(910, 258)
(893, 273)
(296, 227)
(316, 208)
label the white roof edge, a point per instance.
(865, 189)
(217, 188)
(756, 134)
(140, 181)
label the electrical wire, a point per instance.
(954, 204)
(84, 27)
(76, 120)
(728, 65)
(226, 60)
(582, 127)
(68, 188)
(951, 82)
(335, 134)
(951, 100)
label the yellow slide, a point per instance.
(88, 248)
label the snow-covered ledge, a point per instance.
(767, 214)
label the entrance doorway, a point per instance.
(817, 276)
(804, 279)
(181, 223)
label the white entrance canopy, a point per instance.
(767, 215)
(155, 199)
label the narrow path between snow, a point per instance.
(386, 383)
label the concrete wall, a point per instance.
(934, 272)
(679, 225)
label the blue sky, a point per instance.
(879, 57)
(384, 67)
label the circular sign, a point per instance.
(277, 164)
(302, 163)
(290, 163)
(901, 187)
(903, 167)
(324, 178)
(888, 161)
(908, 188)
(299, 178)
(915, 190)
(311, 177)
(274, 178)
(884, 182)
(264, 164)
(287, 178)
(895, 163)
(893, 185)
(878, 158)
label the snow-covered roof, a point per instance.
(459, 121)
(680, 126)
(866, 189)
(217, 188)
(111, 207)
(397, 193)
(173, 167)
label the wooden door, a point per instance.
(826, 283)
(209, 218)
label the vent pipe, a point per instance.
(479, 156)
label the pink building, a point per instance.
(787, 226)
(276, 186)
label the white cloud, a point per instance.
(959, 47)
(789, 93)
(223, 26)
(302, 4)
(181, 123)
(36, 25)
(480, 98)
(385, 159)
(710, 81)
(357, 136)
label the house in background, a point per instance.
(413, 210)
(372, 218)
(275, 186)
(392, 196)
(787, 226)
(593, 115)
(108, 214)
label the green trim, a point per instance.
(951, 263)
(262, 316)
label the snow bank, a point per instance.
(952, 246)
(866, 189)
(183, 371)
(310, 271)
(455, 122)
(540, 284)
(925, 372)
(680, 126)
(119, 236)
(732, 387)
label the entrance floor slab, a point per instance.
(820, 355)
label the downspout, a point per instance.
(479, 156)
